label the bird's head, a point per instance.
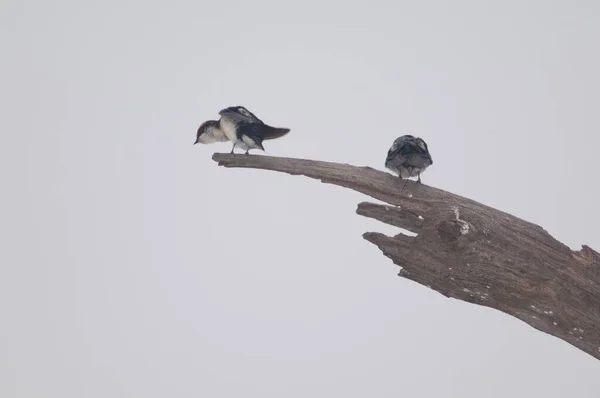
(205, 132)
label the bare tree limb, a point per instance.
(469, 251)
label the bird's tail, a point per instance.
(275, 132)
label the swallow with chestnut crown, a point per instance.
(408, 157)
(245, 130)
(209, 132)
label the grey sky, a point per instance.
(133, 266)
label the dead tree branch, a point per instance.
(469, 251)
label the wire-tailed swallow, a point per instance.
(245, 130)
(408, 157)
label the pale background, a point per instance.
(133, 266)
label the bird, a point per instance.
(408, 157)
(245, 130)
(210, 132)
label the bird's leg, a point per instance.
(232, 148)
(405, 181)
(246, 153)
(419, 178)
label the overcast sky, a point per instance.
(133, 266)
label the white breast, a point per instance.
(214, 135)
(220, 135)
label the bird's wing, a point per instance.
(423, 152)
(240, 114)
(395, 153)
(415, 154)
(252, 130)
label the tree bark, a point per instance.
(468, 251)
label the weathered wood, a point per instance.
(469, 251)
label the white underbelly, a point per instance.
(246, 143)
(249, 142)
(242, 145)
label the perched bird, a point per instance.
(409, 157)
(245, 130)
(210, 132)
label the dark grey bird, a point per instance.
(210, 132)
(408, 157)
(245, 130)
